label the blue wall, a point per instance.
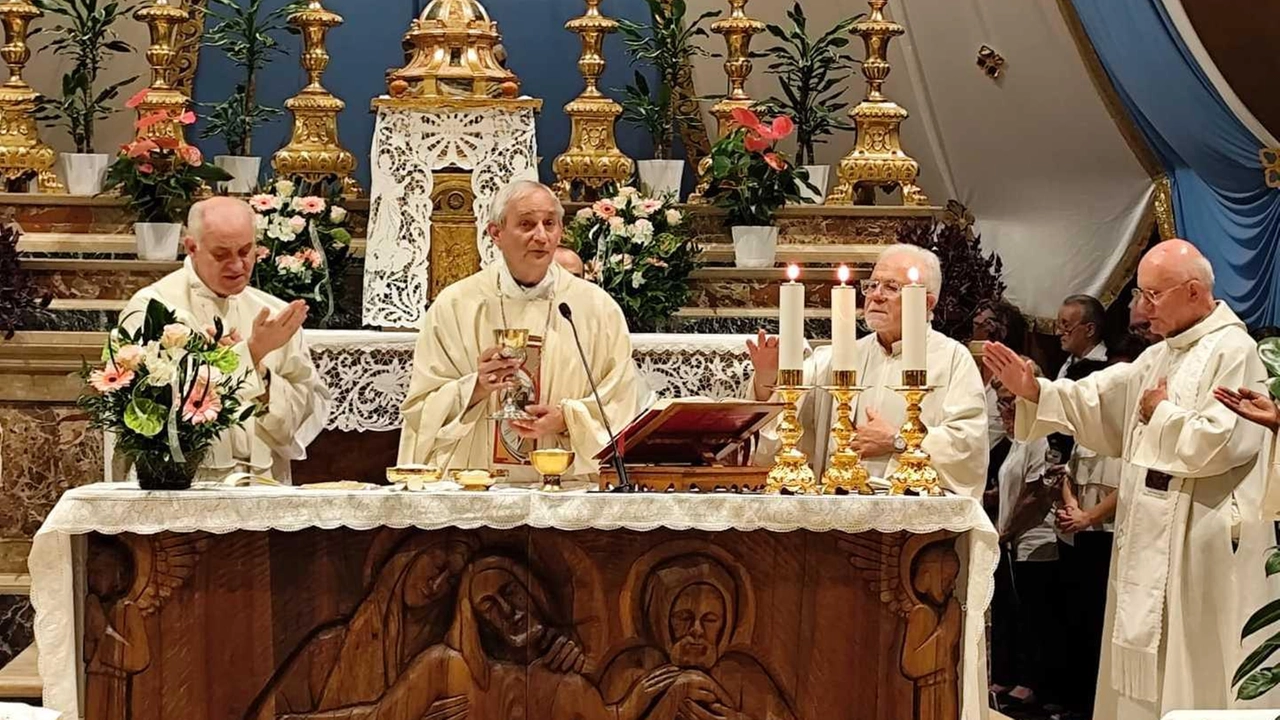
(540, 51)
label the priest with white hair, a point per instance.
(459, 375)
(1188, 560)
(955, 413)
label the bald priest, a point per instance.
(213, 282)
(459, 376)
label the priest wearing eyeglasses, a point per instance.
(955, 413)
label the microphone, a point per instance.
(624, 482)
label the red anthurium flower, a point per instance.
(782, 127)
(167, 143)
(755, 143)
(140, 148)
(191, 155)
(137, 98)
(146, 168)
(745, 118)
(148, 120)
(187, 117)
(775, 161)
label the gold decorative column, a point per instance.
(593, 158)
(163, 18)
(877, 159)
(915, 472)
(791, 472)
(314, 152)
(22, 155)
(737, 29)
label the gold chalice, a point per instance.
(551, 463)
(512, 343)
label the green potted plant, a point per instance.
(83, 33)
(750, 180)
(666, 44)
(160, 177)
(811, 74)
(246, 33)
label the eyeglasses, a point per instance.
(1153, 296)
(1065, 329)
(887, 288)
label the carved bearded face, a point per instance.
(697, 624)
(505, 611)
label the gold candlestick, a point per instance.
(163, 19)
(915, 471)
(877, 158)
(22, 154)
(791, 472)
(593, 158)
(314, 152)
(845, 474)
(737, 29)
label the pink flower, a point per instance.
(202, 404)
(137, 98)
(782, 127)
(288, 263)
(616, 224)
(191, 155)
(174, 335)
(311, 205)
(775, 161)
(754, 142)
(110, 378)
(128, 357)
(604, 209)
(311, 257)
(262, 252)
(745, 118)
(187, 117)
(140, 148)
(167, 143)
(297, 224)
(146, 168)
(656, 262)
(264, 203)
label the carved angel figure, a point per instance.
(915, 576)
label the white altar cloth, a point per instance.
(123, 508)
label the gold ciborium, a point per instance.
(845, 474)
(551, 463)
(512, 344)
(915, 472)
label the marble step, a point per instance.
(86, 245)
(15, 584)
(20, 679)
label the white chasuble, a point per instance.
(297, 401)
(440, 428)
(1192, 486)
(955, 412)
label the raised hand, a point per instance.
(272, 333)
(1152, 397)
(1252, 406)
(493, 373)
(1016, 374)
(764, 359)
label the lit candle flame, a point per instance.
(793, 272)
(914, 276)
(843, 274)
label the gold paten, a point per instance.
(22, 155)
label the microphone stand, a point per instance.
(624, 481)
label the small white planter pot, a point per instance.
(661, 177)
(84, 172)
(244, 172)
(157, 241)
(818, 175)
(755, 246)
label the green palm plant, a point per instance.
(811, 74)
(667, 44)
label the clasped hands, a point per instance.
(686, 694)
(495, 373)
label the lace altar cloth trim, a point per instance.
(496, 145)
(123, 508)
(368, 371)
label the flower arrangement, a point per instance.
(167, 391)
(304, 245)
(638, 250)
(160, 175)
(750, 178)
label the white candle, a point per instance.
(791, 322)
(915, 323)
(844, 322)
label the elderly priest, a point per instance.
(1188, 556)
(280, 378)
(956, 413)
(459, 374)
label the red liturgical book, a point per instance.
(691, 432)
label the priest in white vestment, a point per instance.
(955, 413)
(459, 378)
(1191, 488)
(265, 332)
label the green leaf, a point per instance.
(1259, 683)
(1273, 386)
(1256, 658)
(1273, 563)
(144, 417)
(1268, 613)
(1269, 352)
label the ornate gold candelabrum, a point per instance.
(845, 474)
(877, 158)
(22, 154)
(737, 29)
(314, 152)
(593, 158)
(791, 472)
(915, 471)
(163, 18)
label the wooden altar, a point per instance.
(536, 621)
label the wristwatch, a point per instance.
(899, 443)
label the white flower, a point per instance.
(585, 213)
(640, 210)
(175, 335)
(642, 231)
(161, 369)
(281, 229)
(617, 225)
(627, 192)
(337, 214)
(674, 217)
(297, 223)
(284, 188)
(622, 260)
(637, 280)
